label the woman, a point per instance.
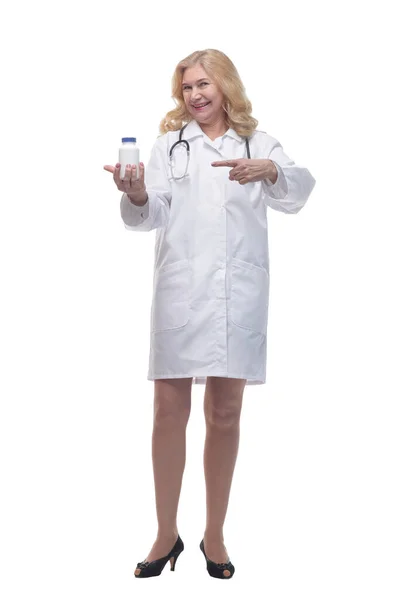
(211, 285)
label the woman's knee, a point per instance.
(172, 399)
(223, 400)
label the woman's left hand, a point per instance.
(246, 170)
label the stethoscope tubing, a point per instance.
(186, 143)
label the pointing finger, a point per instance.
(224, 163)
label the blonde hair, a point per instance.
(222, 70)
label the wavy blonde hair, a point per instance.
(222, 70)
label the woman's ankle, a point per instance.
(167, 533)
(213, 535)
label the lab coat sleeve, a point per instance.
(294, 185)
(155, 213)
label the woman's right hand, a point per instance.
(134, 187)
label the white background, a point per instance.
(314, 502)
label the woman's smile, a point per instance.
(201, 106)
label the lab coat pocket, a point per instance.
(170, 306)
(249, 296)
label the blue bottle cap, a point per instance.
(127, 139)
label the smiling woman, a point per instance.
(209, 312)
(204, 100)
(207, 88)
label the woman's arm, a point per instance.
(154, 211)
(292, 186)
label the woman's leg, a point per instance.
(222, 408)
(172, 403)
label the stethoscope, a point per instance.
(171, 160)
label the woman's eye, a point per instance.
(186, 87)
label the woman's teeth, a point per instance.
(202, 106)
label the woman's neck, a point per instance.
(215, 129)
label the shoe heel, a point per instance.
(173, 560)
(155, 567)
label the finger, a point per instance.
(141, 172)
(224, 163)
(109, 168)
(117, 175)
(128, 174)
(133, 173)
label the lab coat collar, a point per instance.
(193, 130)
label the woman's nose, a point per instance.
(195, 95)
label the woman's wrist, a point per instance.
(271, 172)
(138, 201)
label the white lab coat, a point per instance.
(209, 310)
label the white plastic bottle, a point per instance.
(129, 155)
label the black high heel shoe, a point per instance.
(217, 569)
(155, 567)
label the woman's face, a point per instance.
(198, 88)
